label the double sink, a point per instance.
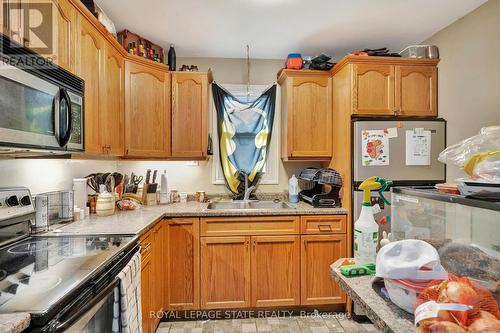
(249, 205)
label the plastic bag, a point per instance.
(483, 149)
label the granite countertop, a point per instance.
(138, 221)
(14, 322)
(385, 315)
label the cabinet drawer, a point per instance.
(235, 226)
(323, 224)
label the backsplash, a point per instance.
(43, 175)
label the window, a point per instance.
(271, 169)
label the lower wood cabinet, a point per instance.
(152, 267)
(183, 264)
(318, 252)
(275, 271)
(225, 272)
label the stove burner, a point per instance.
(31, 246)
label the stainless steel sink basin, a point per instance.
(249, 205)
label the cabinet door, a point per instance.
(111, 116)
(64, 42)
(189, 115)
(416, 90)
(158, 269)
(275, 267)
(147, 111)
(310, 118)
(146, 293)
(183, 276)
(225, 272)
(89, 64)
(317, 254)
(373, 89)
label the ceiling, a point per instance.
(274, 28)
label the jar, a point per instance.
(105, 205)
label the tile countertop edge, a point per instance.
(140, 221)
(14, 322)
(386, 316)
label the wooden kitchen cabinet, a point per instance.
(225, 272)
(65, 41)
(386, 86)
(190, 114)
(318, 252)
(182, 244)
(306, 119)
(147, 110)
(416, 90)
(152, 286)
(275, 271)
(90, 68)
(373, 89)
(111, 113)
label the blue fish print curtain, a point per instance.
(244, 130)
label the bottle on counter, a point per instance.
(293, 189)
(171, 58)
(163, 188)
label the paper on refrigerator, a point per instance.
(375, 147)
(418, 147)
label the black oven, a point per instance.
(41, 104)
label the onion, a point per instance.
(445, 327)
(486, 323)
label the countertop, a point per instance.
(14, 322)
(138, 221)
(385, 315)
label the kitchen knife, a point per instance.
(148, 176)
(154, 176)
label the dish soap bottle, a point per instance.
(293, 189)
(365, 227)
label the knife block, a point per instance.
(148, 199)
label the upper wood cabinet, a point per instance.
(182, 252)
(416, 90)
(190, 114)
(90, 68)
(111, 115)
(65, 45)
(147, 110)
(373, 89)
(383, 86)
(306, 118)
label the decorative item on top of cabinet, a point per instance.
(190, 114)
(147, 110)
(182, 253)
(385, 86)
(306, 119)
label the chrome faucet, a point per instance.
(248, 190)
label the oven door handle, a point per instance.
(61, 327)
(62, 129)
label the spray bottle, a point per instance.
(365, 228)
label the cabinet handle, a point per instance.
(247, 245)
(254, 244)
(324, 227)
(146, 247)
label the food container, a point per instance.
(105, 205)
(404, 293)
(200, 196)
(420, 51)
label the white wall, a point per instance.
(469, 74)
(44, 175)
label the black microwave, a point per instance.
(41, 104)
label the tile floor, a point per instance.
(268, 325)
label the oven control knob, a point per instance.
(26, 200)
(12, 201)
